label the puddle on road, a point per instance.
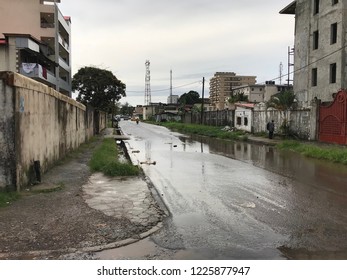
(144, 250)
(148, 250)
(303, 254)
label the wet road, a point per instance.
(242, 201)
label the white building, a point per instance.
(243, 116)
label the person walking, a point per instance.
(271, 128)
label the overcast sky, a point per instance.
(194, 38)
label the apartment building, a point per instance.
(222, 84)
(35, 40)
(319, 51)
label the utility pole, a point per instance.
(147, 83)
(290, 63)
(170, 86)
(202, 102)
(281, 71)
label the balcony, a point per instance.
(38, 73)
(64, 43)
(64, 64)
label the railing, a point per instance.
(63, 43)
(38, 72)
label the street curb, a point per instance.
(93, 249)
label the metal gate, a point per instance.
(333, 120)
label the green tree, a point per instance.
(238, 97)
(283, 101)
(127, 109)
(98, 88)
(189, 98)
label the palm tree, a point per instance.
(283, 102)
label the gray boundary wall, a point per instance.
(38, 123)
(302, 122)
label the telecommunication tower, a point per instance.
(148, 84)
(281, 72)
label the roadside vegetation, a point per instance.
(205, 130)
(105, 159)
(335, 154)
(6, 197)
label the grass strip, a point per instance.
(335, 154)
(205, 130)
(105, 160)
(7, 197)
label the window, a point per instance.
(315, 40)
(333, 73)
(333, 33)
(315, 7)
(238, 120)
(245, 121)
(334, 2)
(314, 77)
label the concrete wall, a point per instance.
(43, 124)
(302, 122)
(7, 124)
(213, 118)
(299, 121)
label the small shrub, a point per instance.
(105, 160)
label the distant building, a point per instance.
(35, 41)
(222, 84)
(320, 49)
(261, 93)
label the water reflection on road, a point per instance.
(233, 200)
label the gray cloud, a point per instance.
(192, 37)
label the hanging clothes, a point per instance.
(28, 67)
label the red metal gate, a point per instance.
(333, 120)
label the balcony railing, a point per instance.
(38, 72)
(63, 43)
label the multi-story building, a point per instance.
(320, 48)
(35, 41)
(261, 93)
(222, 85)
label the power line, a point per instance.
(167, 89)
(311, 63)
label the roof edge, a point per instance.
(289, 9)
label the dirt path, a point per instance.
(49, 225)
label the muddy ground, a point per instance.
(54, 224)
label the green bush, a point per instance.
(105, 160)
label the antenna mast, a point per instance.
(148, 84)
(290, 63)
